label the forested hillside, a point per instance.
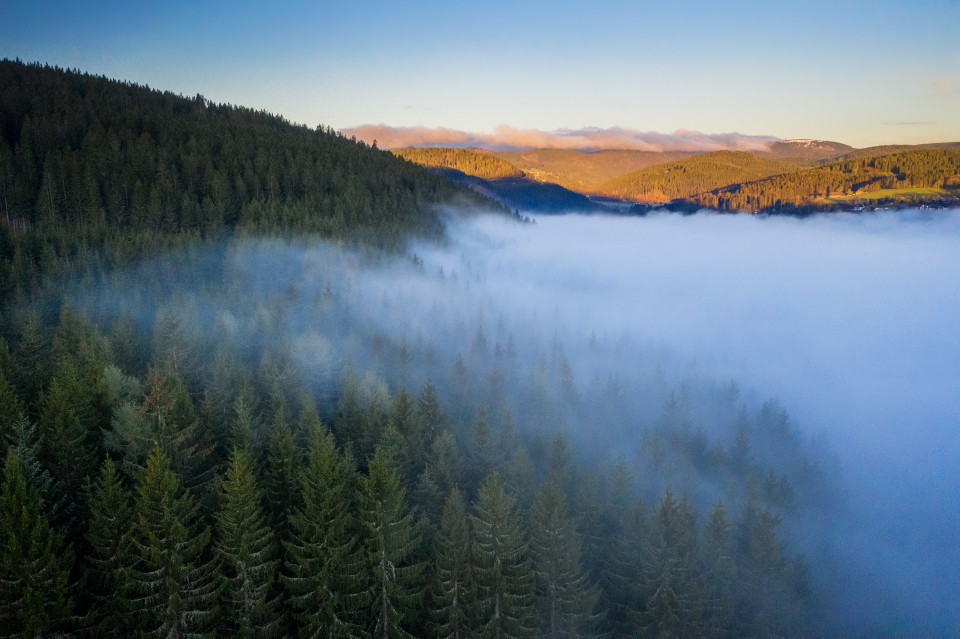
(688, 177)
(468, 161)
(915, 175)
(86, 163)
(584, 172)
(215, 424)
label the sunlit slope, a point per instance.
(889, 149)
(688, 177)
(582, 171)
(918, 175)
(473, 162)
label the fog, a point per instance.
(507, 138)
(850, 320)
(592, 324)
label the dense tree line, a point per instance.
(933, 168)
(86, 161)
(468, 161)
(690, 176)
(201, 496)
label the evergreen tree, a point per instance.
(323, 570)
(392, 539)
(245, 549)
(451, 580)
(172, 585)
(673, 605)
(34, 563)
(111, 515)
(719, 571)
(564, 597)
(504, 578)
(283, 468)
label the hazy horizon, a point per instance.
(748, 67)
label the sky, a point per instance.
(858, 72)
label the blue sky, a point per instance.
(856, 72)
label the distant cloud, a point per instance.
(946, 86)
(507, 138)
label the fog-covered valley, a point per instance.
(814, 361)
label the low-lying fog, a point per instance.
(849, 321)
(852, 321)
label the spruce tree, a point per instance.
(34, 562)
(111, 514)
(673, 607)
(564, 596)
(451, 591)
(283, 468)
(172, 586)
(392, 538)
(323, 570)
(719, 571)
(504, 578)
(246, 554)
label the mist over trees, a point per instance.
(250, 386)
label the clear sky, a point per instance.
(863, 73)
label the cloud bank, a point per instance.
(507, 138)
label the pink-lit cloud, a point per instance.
(507, 138)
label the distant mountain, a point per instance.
(693, 175)
(929, 174)
(887, 149)
(581, 171)
(791, 174)
(809, 150)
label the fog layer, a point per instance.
(620, 330)
(850, 320)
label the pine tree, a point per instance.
(245, 550)
(673, 606)
(170, 412)
(392, 539)
(34, 563)
(171, 589)
(719, 571)
(323, 570)
(111, 515)
(451, 579)
(504, 578)
(564, 597)
(283, 468)
(404, 419)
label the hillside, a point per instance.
(930, 174)
(468, 161)
(95, 171)
(888, 149)
(805, 151)
(584, 172)
(688, 177)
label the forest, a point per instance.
(688, 177)
(789, 178)
(913, 175)
(216, 420)
(469, 161)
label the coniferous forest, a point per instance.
(215, 421)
